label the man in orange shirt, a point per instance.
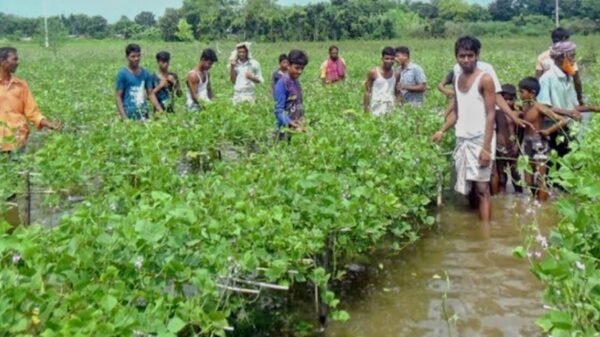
(17, 105)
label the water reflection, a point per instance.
(491, 292)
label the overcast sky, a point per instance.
(110, 9)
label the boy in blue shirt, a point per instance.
(166, 84)
(289, 101)
(133, 85)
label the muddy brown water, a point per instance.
(492, 293)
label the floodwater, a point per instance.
(490, 292)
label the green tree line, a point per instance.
(266, 20)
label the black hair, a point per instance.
(244, 47)
(5, 51)
(332, 47)
(403, 50)
(298, 57)
(388, 51)
(467, 43)
(560, 34)
(209, 55)
(133, 48)
(530, 84)
(163, 56)
(509, 89)
(283, 57)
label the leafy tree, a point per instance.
(127, 28)
(184, 31)
(453, 10)
(591, 8)
(78, 24)
(57, 34)
(98, 27)
(502, 10)
(145, 19)
(168, 24)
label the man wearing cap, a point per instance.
(557, 90)
(545, 61)
(245, 73)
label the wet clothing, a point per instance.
(289, 101)
(470, 110)
(134, 87)
(333, 71)
(536, 147)
(470, 134)
(166, 95)
(17, 109)
(201, 93)
(412, 75)
(466, 163)
(383, 94)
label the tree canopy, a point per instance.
(266, 20)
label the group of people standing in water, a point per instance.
(492, 130)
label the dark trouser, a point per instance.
(561, 148)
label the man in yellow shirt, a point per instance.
(17, 105)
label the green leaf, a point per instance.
(175, 324)
(518, 252)
(340, 315)
(108, 302)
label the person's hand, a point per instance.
(485, 158)
(576, 115)
(449, 94)
(233, 63)
(172, 79)
(524, 124)
(54, 125)
(250, 76)
(163, 83)
(437, 137)
(545, 134)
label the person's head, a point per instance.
(387, 57)
(560, 34)
(9, 60)
(402, 55)
(334, 52)
(529, 87)
(283, 62)
(563, 54)
(208, 58)
(242, 52)
(509, 93)
(466, 50)
(163, 58)
(134, 54)
(298, 60)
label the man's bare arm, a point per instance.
(119, 100)
(192, 83)
(368, 88)
(415, 88)
(154, 100)
(489, 95)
